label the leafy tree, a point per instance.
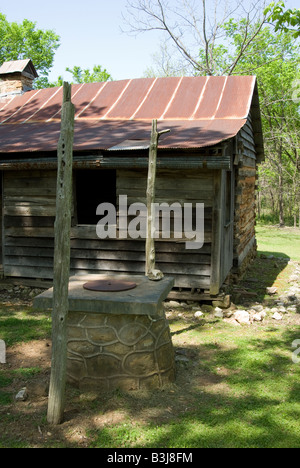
(194, 29)
(249, 45)
(82, 76)
(53, 84)
(87, 76)
(24, 40)
(286, 20)
(277, 68)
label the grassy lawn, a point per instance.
(279, 242)
(237, 387)
(240, 390)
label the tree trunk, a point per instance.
(258, 204)
(272, 203)
(280, 200)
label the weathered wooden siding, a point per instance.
(28, 218)
(189, 268)
(29, 214)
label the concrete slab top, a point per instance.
(145, 299)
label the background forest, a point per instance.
(209, 38)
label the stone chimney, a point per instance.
(16, 77)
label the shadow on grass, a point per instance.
(194, 326)
(226, 396)
(241, 392)
(264, 271)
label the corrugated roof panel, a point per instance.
(198, 134)
(185, 99)
(133, 144)
(106, 134)
(57, 111)
(211, 98)
(167, 98)
(235, 100)
(130, 101)
(5, 101)
(15, 106)
(85, 96)
(105, 100)
(28, 105)
(48, 108)
(158, 98)
(29, 137)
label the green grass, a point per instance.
(279, 242)
(22, 324)
(239, 388)
(244, 393)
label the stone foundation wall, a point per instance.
(244, 220)
(245, 246)
(129, 352)
(238, 271)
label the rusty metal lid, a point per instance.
(112, 285)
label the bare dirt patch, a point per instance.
(36, 353)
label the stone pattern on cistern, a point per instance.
(119, 351)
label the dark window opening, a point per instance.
(92, 188)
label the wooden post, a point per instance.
(61, 260)
(151, 272)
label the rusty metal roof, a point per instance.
(200, 112)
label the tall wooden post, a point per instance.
(61, 260)
(151, 272)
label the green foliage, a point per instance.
(286, 20)
(24, 40)
(280, 176)
(53, 84)
(81, 76)
(219, 56)
(275, 60)
(86, 76)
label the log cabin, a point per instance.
(210, 156)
